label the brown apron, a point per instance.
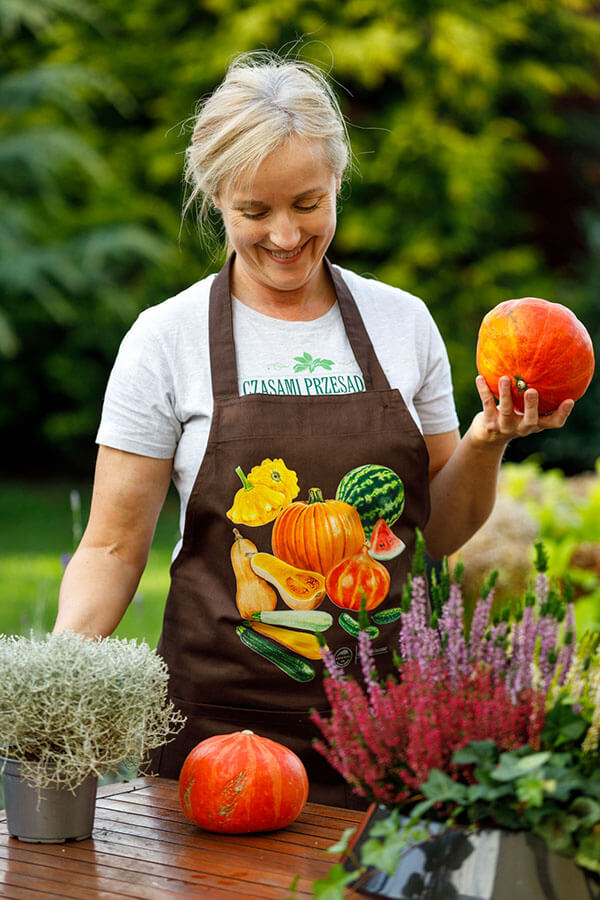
(217, 681)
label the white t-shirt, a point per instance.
(159, 400)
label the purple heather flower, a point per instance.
(524, 640)
(542, 587)
(330, 664)
(417, 639)
(368, 669)
(547, 629)
(565, 656)
(479, 625)
(451, 626)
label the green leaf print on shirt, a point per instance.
(307, 362)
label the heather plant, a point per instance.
(71, 706)
(492, 725)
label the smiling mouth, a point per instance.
(285, 254)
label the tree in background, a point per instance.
(476, 132)
(71, 245)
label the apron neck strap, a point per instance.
(222, 345)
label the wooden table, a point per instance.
(142, 846)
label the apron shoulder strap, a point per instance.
(223, 366)
(222, 345)
(364, 353)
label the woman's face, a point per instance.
(281, 224)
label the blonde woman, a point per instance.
(252, 389)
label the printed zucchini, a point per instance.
(306, 620)
(385, 616)
(350, 625)
(289, 663)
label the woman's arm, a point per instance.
(102, 577)
(464, 473)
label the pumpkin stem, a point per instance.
(247, 485)
(247, 731)
(315, 495)
(521, 384)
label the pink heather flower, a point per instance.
(387, 758)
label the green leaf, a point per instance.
(586, 810)
(588, 852)
(440, 788)
(481, 753)
(556, 835)
(512, 767)
(292, 888)
(530, 790)
(344, 842)
(487, 791)
(385, 855)
(563, 725)
(332, 886)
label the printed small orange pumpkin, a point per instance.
(540, 345)
(349, 579)
(242, 783)
(317, 534)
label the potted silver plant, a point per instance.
(73, 709)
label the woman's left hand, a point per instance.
(499, 422)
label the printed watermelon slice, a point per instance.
(384, 544)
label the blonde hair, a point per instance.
(263, 101)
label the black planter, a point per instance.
(483, 865)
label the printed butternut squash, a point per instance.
(299, 588)
(253, 594)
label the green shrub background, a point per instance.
(476, 132)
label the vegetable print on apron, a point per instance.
(302, 505)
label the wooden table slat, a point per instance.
(143, 848)
(183, 835)
(302, 833)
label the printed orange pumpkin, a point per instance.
(317, 534)
(242, 783)
(346, 582)
(540, 345)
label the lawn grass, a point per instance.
(36, 531)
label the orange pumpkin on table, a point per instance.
(540, 345)
(242, 783)
(317, 534)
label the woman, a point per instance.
(285, 372)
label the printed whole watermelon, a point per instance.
(376, 492)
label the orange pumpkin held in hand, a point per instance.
(241, 783)
(540, 345)
(349, 579)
